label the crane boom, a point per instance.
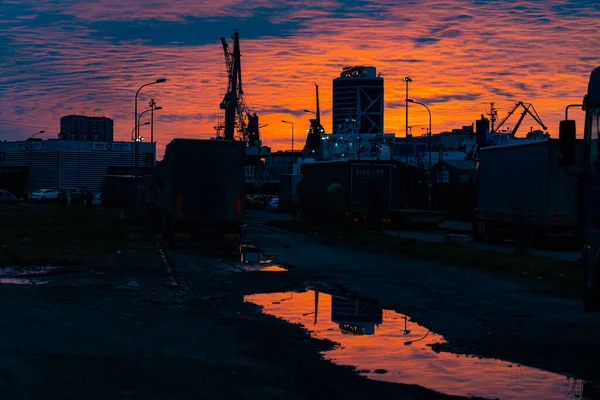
(527, 109)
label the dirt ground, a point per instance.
(108, 325)
(520, 320)
(114, 328)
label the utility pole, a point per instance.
(152, 104)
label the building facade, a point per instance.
(57, 164)
(280, 162)
(80, 127)
(358, 101)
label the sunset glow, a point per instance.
(90, 56)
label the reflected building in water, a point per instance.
(356, 316)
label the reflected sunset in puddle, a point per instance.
(375, 342)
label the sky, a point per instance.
(61, 57)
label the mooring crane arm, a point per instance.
(511, 112)
(528, 110)
(536, 117)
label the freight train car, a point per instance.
(199, 191)
(346, 190)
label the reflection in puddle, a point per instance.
(26, 271)
(18, 275)
(273, 268)
(387, 346)
(21, 281)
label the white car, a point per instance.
(273, 204)
(44, 194)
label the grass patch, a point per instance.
(566, 274)
(47, 234)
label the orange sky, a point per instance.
(89, 57)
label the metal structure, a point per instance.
(237, 113)
(315, 132)
(527, 109)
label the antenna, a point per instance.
(493, 114)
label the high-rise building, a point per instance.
(80, 127)
(358, 101)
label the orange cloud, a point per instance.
(90, 57)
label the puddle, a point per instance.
(21, 281)
(273, 268)
(385, 345)
(13, 275)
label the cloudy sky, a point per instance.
(61, 57)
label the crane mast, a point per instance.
(237, 114)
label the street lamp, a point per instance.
(37, 133)
(136, 127)
(291, 123)
(312, 112)
(429, 135)
(161, 80)
(144, 112)
(137, 134)
(430, 184)
(406, 79)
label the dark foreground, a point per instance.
(110, 326)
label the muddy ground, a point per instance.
(111, 327)
(521, 320)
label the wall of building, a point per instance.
(279, 163)
(56, 164)
(358, 99)
(81, 127)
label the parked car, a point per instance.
(7, 197)
(273, 203)
(97, 199)
(44, 194)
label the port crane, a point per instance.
(527, 109)
(237, 113)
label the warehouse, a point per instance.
(57, 164)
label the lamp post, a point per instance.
(149, 123)
(308, 111)
(133, 139)
(291, 123)
(37, 133)
(429, 135)
(161, 80)
(406, 79)
(429, 145)
(137, 134)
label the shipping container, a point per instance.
(199, 189)
(289, 200)
(352, 188)
(521, 186)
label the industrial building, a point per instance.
(358, 101)
(281, 162)
(61, 163)
(80, 127)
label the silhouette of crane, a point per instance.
(527, 109)
(237, 114)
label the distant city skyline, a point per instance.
(89, 57)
